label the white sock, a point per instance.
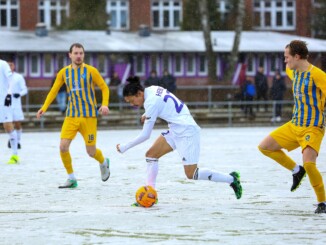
(296, 169)
(206, 174)
(152, 170)
(72, 176)
(19, 134)
(13, 141)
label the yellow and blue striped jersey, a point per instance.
(309, 90)
(80, 88)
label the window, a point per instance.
(119, 13)
(88, 59)
(139, 65)
(154, 63)
(223, 7)
(274, 14)
(61, 61)
(9, 17)
(275, 63)
(102, 64)
(178, 64)
(190, 65)
(21, 64)
(166, 14)
(166, 62)
(51, 12)
(202, 64)
(34, 67)
(251, 65)
(48, 65)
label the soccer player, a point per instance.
(6, 115)
(307, 126)
(18, 89)
(81, 113)
(183, 134)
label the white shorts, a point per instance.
(6, 114)
(188, 147)
(18, 114)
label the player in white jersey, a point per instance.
(6, 116)
(18, 89)
(183, 134)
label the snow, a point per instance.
(34, 211)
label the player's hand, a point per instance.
(8, 100)
(104, 110)
(142, 119)
(39, 114)
(118, 148)
(16, 95)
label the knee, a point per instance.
(63, 148)
(189, 174)
(262, 150)
(91, 152)
(150, 154)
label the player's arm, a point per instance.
(289, 72)
(320, 79)
(23, 88)
(99, 81)
(143, 136)
(59, 81)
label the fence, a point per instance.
(208, 104)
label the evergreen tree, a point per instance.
(86, 15)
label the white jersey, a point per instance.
(159, 102)
(5, 74)
(17, 86)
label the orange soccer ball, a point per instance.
(146, 196)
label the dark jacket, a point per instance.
(152, 81)
(278, 88)
(169, 82)
(261, 82)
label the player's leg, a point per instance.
(189, 148)
(88, 129)
(272, 145)
(19, 130)
(311, 145)
(68, 133)
(9, 128)
(157, 150)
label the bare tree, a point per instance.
(233, 58)
(211, 59)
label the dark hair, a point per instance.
(132, 87)
(298, 47)
(77, 45)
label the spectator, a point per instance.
(115, 79)
(169, 81)
(249, 92)
(153, 79)
(61, 97)
(277, 93)
(261, 86)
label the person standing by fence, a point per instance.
(277, 93)
(261, 86)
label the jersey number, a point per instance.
(178, 107)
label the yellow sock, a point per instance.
(280, 157)
(66, 160)
(316, 180)
(99, 156)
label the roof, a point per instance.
(173, 41)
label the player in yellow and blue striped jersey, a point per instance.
(81, 113)
(307, 126)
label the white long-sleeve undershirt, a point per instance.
(143, 136)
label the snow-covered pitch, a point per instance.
(34, 211)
